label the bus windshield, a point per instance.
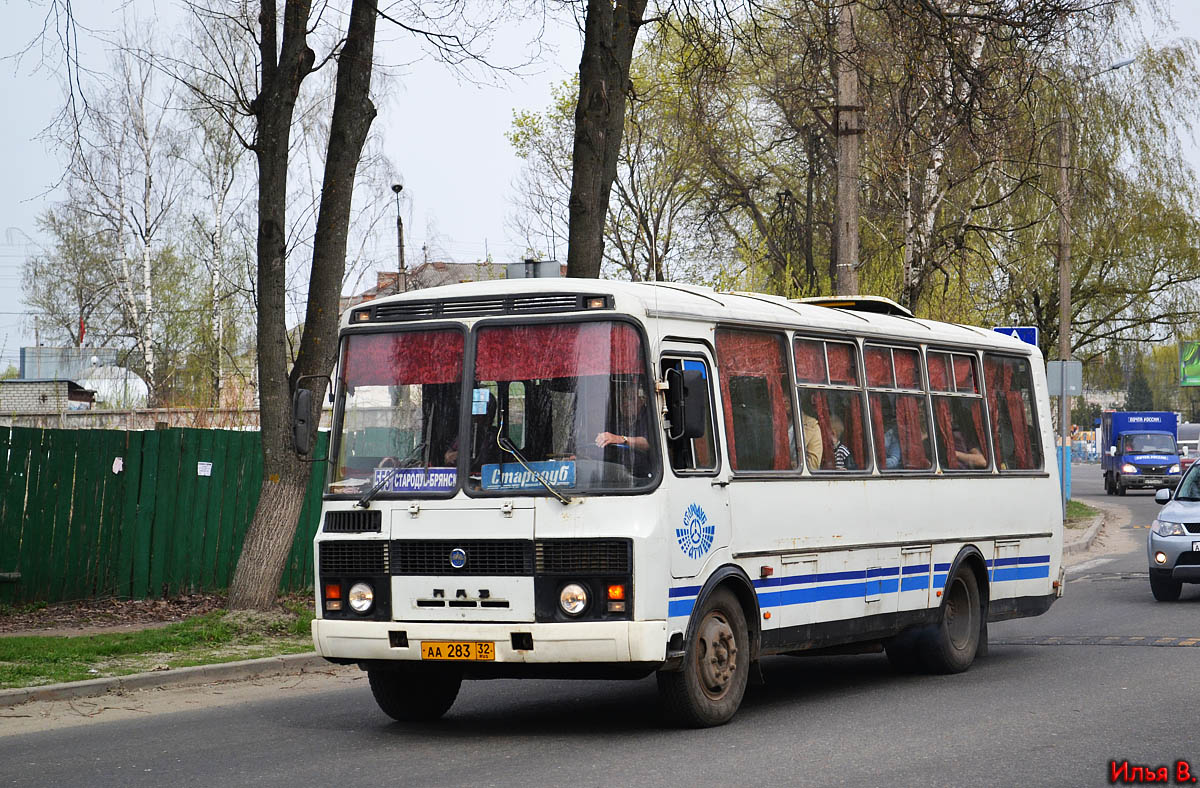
(567, 402)
(400, 413)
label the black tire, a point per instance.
(1108, 485)
(709, 688)
(1120, 489)
(1163, 587)
(415, 694)
(950, 645)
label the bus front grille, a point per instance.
(496, 557)
(353, 558)
(353, 521)
(584, 556)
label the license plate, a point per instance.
(458, 650)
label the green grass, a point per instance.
(1078, 513)
(214, 637)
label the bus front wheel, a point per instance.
(950, 646)
(409, 695)
(709, 688)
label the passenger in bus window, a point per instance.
(967, 451)
(812, 440)
(891, 447)
(843, 460)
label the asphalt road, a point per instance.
(1102, 676)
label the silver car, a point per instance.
(1173, 547)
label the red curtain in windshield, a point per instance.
(406, 357)
(558, 350)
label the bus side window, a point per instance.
(1010, 407)
(756, 400)
(693, 454)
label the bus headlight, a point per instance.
(1174, 468)
(361, 597)
(1167, 528)
(1128, 468)
(573, 599)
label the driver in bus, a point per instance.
(631, 417)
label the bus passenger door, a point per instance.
(697, 519)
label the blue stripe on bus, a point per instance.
(1022, 573)
(685, 591)
(781, 591)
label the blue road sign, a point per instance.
(1027, 334)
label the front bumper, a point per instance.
(553, 643)
(1142, 481)
(1182, 556)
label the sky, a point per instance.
(444, 134)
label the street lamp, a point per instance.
(1064, 281)
(402, 274)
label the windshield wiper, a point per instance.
(407, 462)
(506, 445)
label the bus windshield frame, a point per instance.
(399, 418)
(577, 449)
(396, 414)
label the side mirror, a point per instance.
(1112, 451)
(301, 417)
(1162, 496)
(687, 403)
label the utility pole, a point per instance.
(402, 274)
(846, 119)
(1064, 282)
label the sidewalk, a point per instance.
(244, 670)
(1079, 540)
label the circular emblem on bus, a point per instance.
(458, 558)
(696, 535)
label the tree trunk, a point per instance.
(285, 476)
(848, 129)
(282, 73)
(610, 32)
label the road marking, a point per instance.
(1098, 640)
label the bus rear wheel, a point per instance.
(414, 695)
(709, 688)
(951, 644)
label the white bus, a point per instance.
(582, 478)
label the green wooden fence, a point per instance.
(99, 513)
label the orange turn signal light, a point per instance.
(616, 591)
(333, 591)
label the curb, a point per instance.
(1084, 543)
(160, 679)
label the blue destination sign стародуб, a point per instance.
(513, 476)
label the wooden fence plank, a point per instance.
(218, 492)
(198, 519)
(36, 538)
(165, 506)
(80, 549)
(111, 492)
(144, 516)
(179, 574)
(13, 484)
(229, 547)
(124, 516)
